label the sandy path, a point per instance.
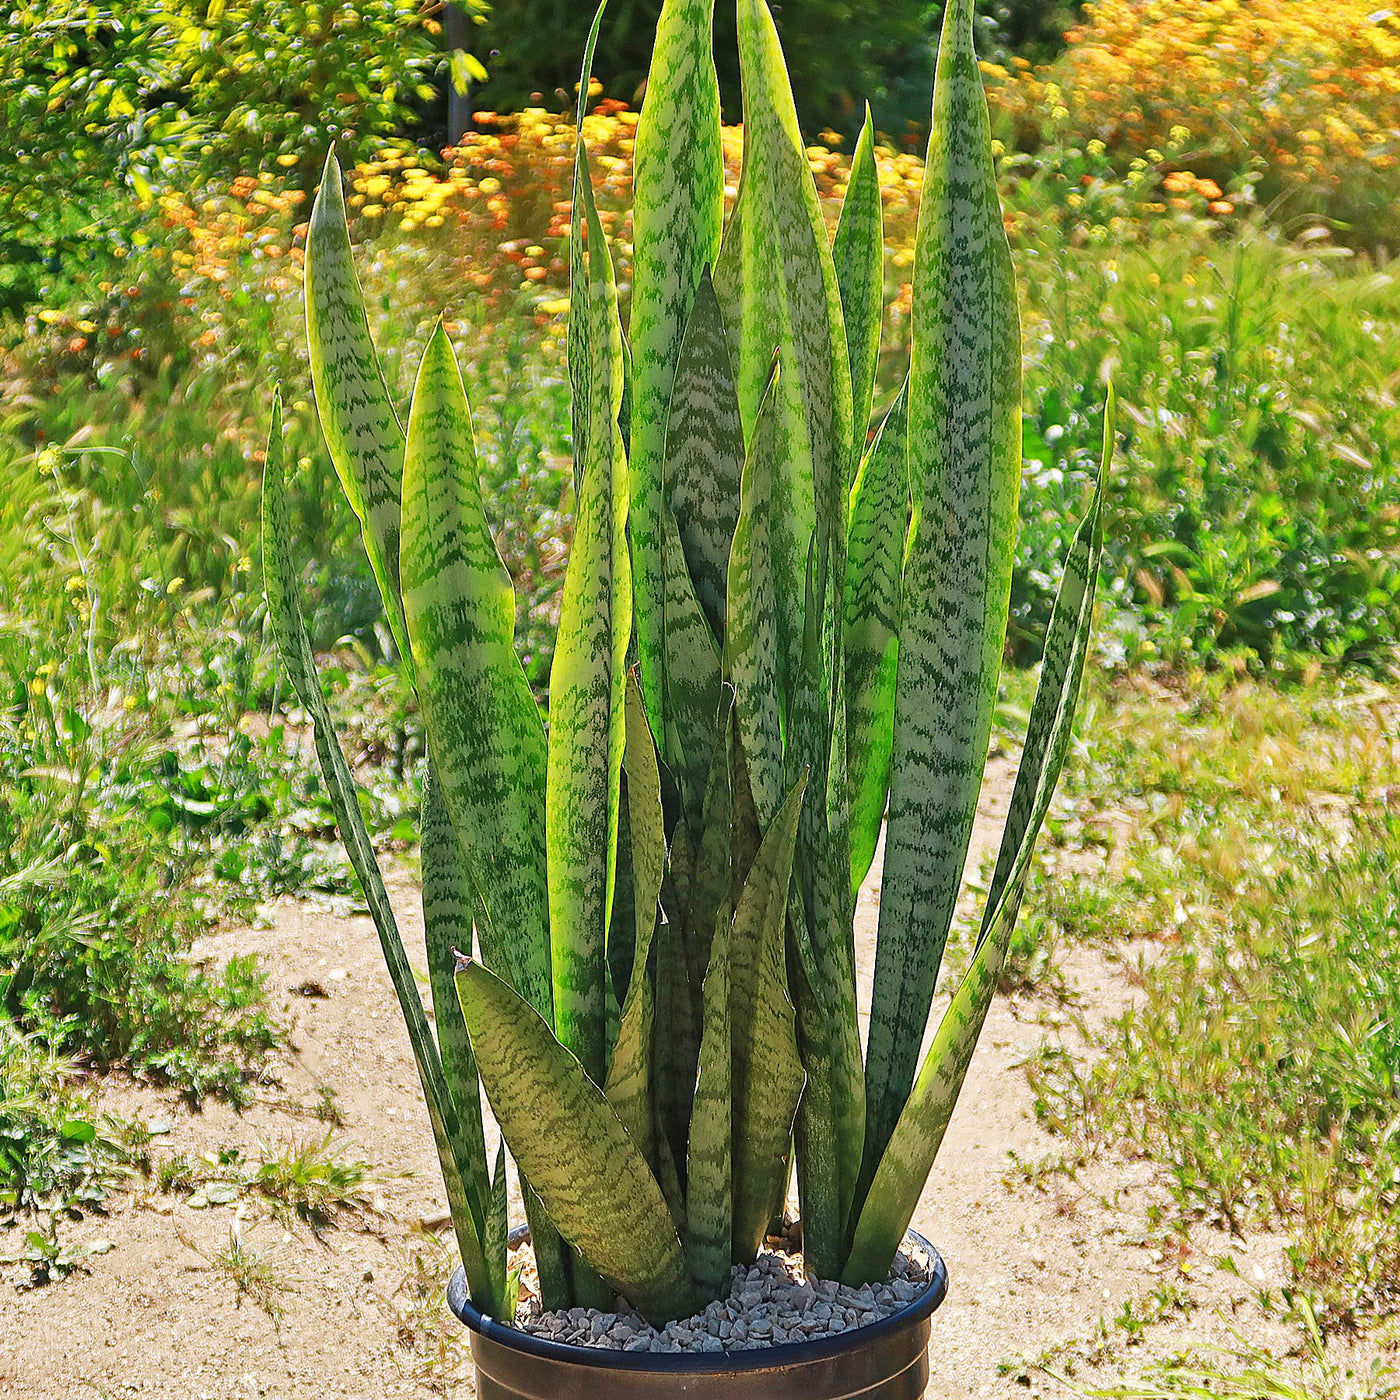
(1031, 1265)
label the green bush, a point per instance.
(103, 105)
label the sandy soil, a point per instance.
(1036, 1261)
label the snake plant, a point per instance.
(775, 628)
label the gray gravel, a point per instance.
(767, 1304)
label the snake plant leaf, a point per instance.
(875, 556)
(691, 678)
(677, 216)
(751, 632)
(965, 470)
(361, 430)
(1066, 638)
(675, 1042)
(580, 339)
(460, 1171)
(907, 1161)
(566, 1138)
(767, 1070)
(484, 729)
(448, 901)
(496, 1238)
(704, 457)
(859, 254)
(628, 1084)
(777, 285)
(709, 1175)
(587, 730)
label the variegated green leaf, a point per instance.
(675, 1041)
(777, 284)
(567, 1139)
(875, 556)
(484, 729)
(691, 678)
(709, 1196)
(677, 214)
(454, 1148)
(704, 456)
(586, 726)
(1052, 712)
(751, 633)
(581, 352)
(859, 254)
(906, 1163)
(358, 421)
(447, 925)
(767, 1072)
(628, 1085)
(965, 470)
(497, 1233)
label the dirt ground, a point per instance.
(1037, 1262)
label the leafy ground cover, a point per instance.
(1250, 835)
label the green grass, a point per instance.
(57, 1151)
(1250, 834)
(1248, 1373)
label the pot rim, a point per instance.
(755, 1359)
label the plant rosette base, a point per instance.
(777, 1330)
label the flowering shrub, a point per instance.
(1302, 99)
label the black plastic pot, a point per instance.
(887, 1360)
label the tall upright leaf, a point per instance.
(964, 466)
(460, 1169)
(704, 456)
(751, 632)
(767, 1071)
(777, 284)
(907, 1160)
(709, 1232)
(629, 1078)
(447, 923)
(875, 557)
(859, 254)
(581, 350)
(587, 730)
(690, 679)
(567, 1139)
(483, 726)
(362, 431)
(677, 215)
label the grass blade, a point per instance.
(362, 432)
(598, 1189)
(677, 215)
(484, 729)
(965, 471)
(907, 1161)
(875, 556)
